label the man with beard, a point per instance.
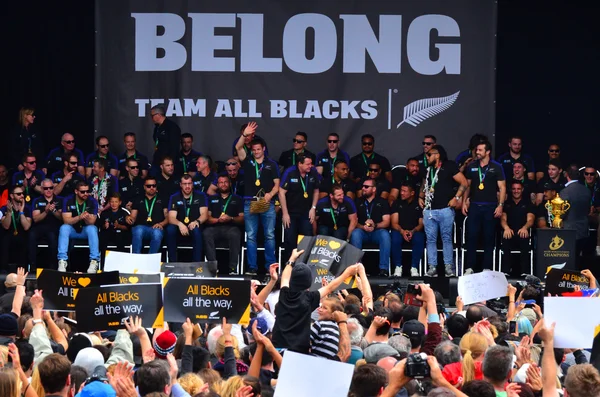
(298, 196)
(132, 186)
(149, 217)
(373, 224)
(438, 200)
(187, 158)
(187, 212)
(555, 175)
(129, 140)
(327, 159)
(47, 218)
(250, 136)
(542, 168)
(336, 214)
(54, 160)
(359, 164)
(16, 221)
(4, 185)
(166, 136)
(204, 177)
(225, 218)
(30, 178)
(289, 157)
(407, 225)
(339, 177)
(544, 216)
(66, 179)
(483, 202)
(590, 180)
(517, 219)
(167, 183)
(102, 183)
(576, 218)
(529, 186)
(236, 178)
(410, 174)
(507, 160)
(382, 184)
(102, 152)
(428, 142)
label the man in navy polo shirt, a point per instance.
(336, 214)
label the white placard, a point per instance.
(482, 286)
(576, 320)
(125, 262)
(296, 369)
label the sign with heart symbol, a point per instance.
(84, 281)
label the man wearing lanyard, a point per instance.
(187, 156)
(590, 180)
(327, 159)
(16, 221)
(47, 218)
(382, 184)
(166, 137)
(30, 178)
(373, 224)
(103, 184)
(204, 177)
(225, 218)
(336, 214)
(132, 186)
(187, 212)
(298, 196)
(428, 142)
(111, 161)
(168, 184)
(129, 141)
(339, 177)
(236, 178)
(65, 180)
(411, 173)
(80, 212)
(359, 164)
(438, 200)
(289, 158)
(484, 201)
(149, 217)
(261, 176)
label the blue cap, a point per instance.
(261, 325)
(97, 389)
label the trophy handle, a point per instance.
(567, 206)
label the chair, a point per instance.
(501, 254)
(463, 248)
(441, 249)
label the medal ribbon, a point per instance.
(303, 184)
(258, 172)
(332, 212)
(14, 220)
(184, 162)
(226, 205)
(149, 211)
(187, 209)
(368, 208)
(482, 177)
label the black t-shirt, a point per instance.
(326, 213)
(189, 207)
(488, 176)
(516, 214)
(295, 186)
(202, 183)
(237, 184)
(54, 161)
(167, 187)
(374, 210)
(186, 163)
(408, 213)
(131, 189)
(117, 216)
(401, 175)
(17, 217)
(28, 184)
(292, 328)
(216, 206)
(444, 188)
(141, 159)
(268, 171)
(112, 163)
(347, 185)
(327, 162)
(507, 161)
(359, 164)
(289, 157)
(70, 206)
(561, 183)
(156, 212)
(40, 204)
(69, 187)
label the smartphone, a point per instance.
(512, 327)
(410, 297)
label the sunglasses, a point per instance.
(297, 140)
(31, 162)
(589, 173)
(367, 186)
(73, 162)
(427, 143)
(333, 140)
(133, 167)
(374, 169)
(84, 191)
(554, 150)
(69, 142)
(367, 143)
(231, 163)
(18, 193)
(150, 186)
(104, 146)
(47, 187)
(431, 154)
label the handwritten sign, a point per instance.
(576, 320)
(482, 286)
(132, 263)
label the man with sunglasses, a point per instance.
(149, 217)
(382, 184)
(327, 159)
(411, 174)
(129, 140)
(507, 160)
(166, 136)
(236, 178)
(16, 221)
(80, 212)
(66, 179)
(428, 142)
(373, 224)
(186, 161)
(47, 218)
(132, 186)
(542, 167)
(30, 178)
(289, 157)
(359, 164)
(340, 176)
(102, 152)
(54, 160)
(188, 210)
(336, 214)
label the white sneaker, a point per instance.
(449, 271)
(414, 272)
(93, 266)
(62, 265)
(398, 271)
(468, 271)
(432, 272)
(598, 250)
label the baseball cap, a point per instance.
(8, 325)
(549, 185)
(413, 328)
(97, 389)
(261, 325)
(376, 351)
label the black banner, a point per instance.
(138, 278)
(396, 69)
(555, 249)
(61, 288)
(207, 300)
(328, 258)
(106, 307)
(559, 281)
(189, 269)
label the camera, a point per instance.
(410, 297)
(416, 366)
(96, 377)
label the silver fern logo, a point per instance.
(422, 109)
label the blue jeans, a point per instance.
(251, 224)
(378, 236)
(196, 236)
(142, 232)
(481, 216)
(89, 233)
(299, 224)
(417, 243)
(341, 233)
(441, 220)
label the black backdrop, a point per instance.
(546, 73)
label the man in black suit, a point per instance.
(576, 217)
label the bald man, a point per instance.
(6, 300)
(54, 161)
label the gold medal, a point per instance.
(305, 195)
(334, 227)
(481, 186)
(186, 220)
(432, 190)
(149, 219)
(15, 233)
(257, 183)
(27, 198)
(223, 214)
